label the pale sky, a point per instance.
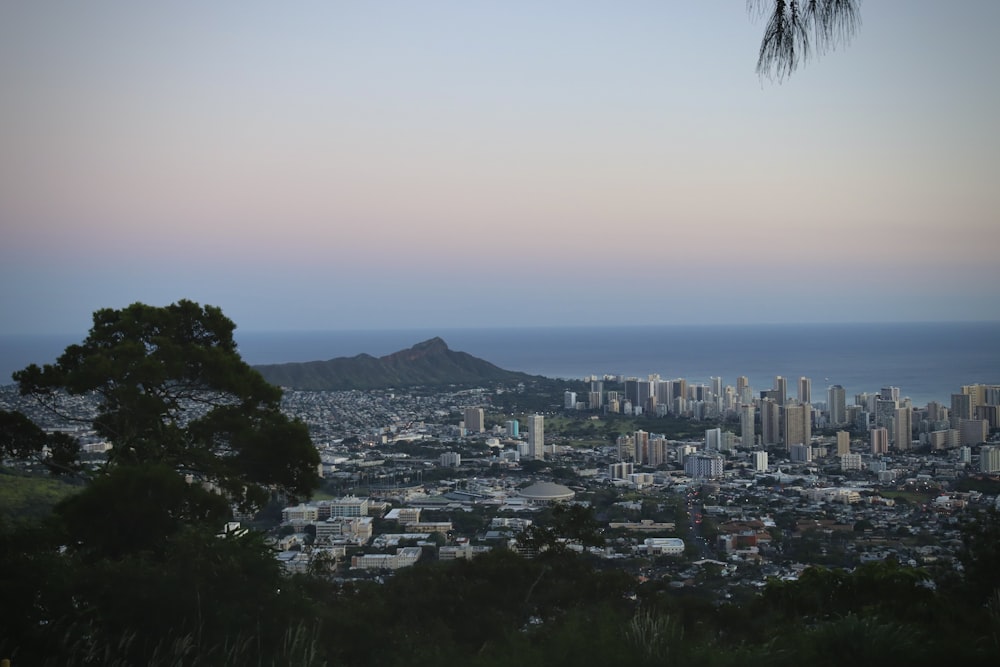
(364, 165)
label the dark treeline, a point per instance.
(198, 599)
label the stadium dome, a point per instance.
(546, 493)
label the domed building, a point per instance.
(546, 493)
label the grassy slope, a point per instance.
(24, 498)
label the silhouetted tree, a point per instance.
(173, 389)
(797, 29)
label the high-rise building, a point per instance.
(659, 450)
(474, 420)
(620, 470)
(885, 412)
(716, 385)
(973, 431)
(836, 404)
(800, 453)
(961, 408)
(879, 437)
(746, 424)
(781, 386)
(770, 422)
(728, 399)
(805, 390)
(770, 395)
(713, 439)
(943, 439)
(989, 413)
(632, 390)
(903, 435)
(976, 394)
(664, 392)
(843, 443)
(760, 461)
(991, 394)
(989, 459)
(679, 390)
(890, 394)
(641, 439)
(646, 390)
(536, 437)
(513, 428)
(626, 448)
(798, 424)
(704, 465)
(569, 400)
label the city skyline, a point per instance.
(336, 166)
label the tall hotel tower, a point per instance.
(805, 390)
(879, 440)
(770, 422)
(836, 403)
(798, 425)
(536, 437)
(746, 424)
(743, 391)
(781, 386)
(903, 423)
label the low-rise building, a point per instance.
(404, 557)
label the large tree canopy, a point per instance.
(173, 390)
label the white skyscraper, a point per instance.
(536, 437)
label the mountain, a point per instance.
(428, 363)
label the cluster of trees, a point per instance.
(218, 602)
(195, 432)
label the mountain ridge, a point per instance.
(430, 362)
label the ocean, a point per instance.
(927, 361)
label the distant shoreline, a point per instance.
(928, 361)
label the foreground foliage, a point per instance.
(223, 601)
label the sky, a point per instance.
(365, 165)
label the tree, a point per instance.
(172, 390)
(796, 29)
(21, 438)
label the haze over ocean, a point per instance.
(927, 361)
